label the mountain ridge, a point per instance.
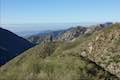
(67, 34)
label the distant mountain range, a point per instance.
(66, 34)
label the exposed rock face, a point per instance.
(72, 33)
(11, 45)
(79, 31)
(104, 49)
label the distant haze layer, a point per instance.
(42, 27)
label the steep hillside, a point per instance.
(103, 48)
(11, 45)
(75, 60)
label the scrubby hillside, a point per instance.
(103, 47)
(81, 59)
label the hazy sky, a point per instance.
(58, 11)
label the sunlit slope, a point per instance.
(103, 47)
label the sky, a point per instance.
(58, 11)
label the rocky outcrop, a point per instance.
(72, 33)
(103, 47)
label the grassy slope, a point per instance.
(56, 61)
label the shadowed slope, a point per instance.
(11, 45)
